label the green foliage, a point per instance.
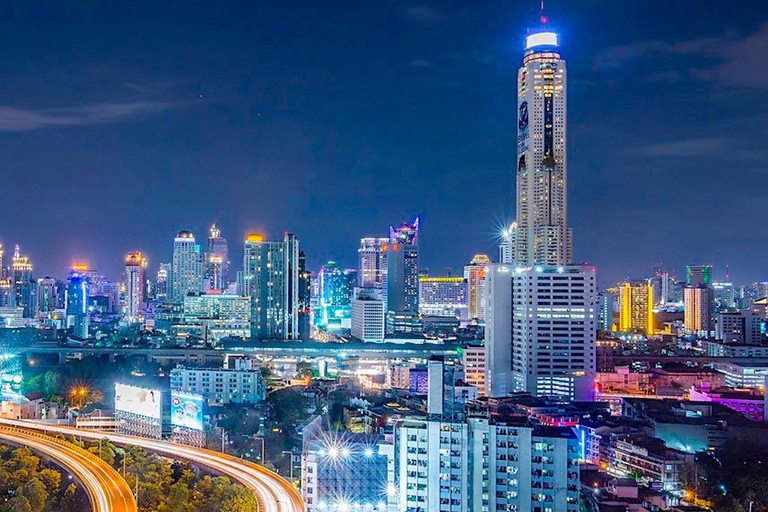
(27, 484)
(733, 476)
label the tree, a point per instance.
(35, 493)
(17, 504)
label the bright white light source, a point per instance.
(368, 452)
(541, 39)
(333, 452)
(345, 452)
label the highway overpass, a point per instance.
(106, 489)
(274, 493)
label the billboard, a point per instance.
(186, 410)
(136, 400)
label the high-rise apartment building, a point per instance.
(699, 310)
(372, 267)
(368, 315)
(474, 273)
(186, 268)
(135, 282)
(498, 330)
(77, 293)
(216, 273)
(543, 236)
(24, 286)
(554, 331)
(271, 279)
(636, 307)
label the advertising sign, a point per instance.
(136, 400)
(186, 410)
(522, 128)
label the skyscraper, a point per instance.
(7, 295)
(271, 279)
(699, 310)
(636, 307)
(23, 284)
(186, 268)
(161, 281)
(47, 294)
(135, 286)
(498, 330)
(402, 263)
(474, 273)
(77, 294)
(371, 267)
(543, 236)
(216, 275)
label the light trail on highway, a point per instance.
(274, 493)
(106, 489)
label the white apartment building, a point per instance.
(242, 384)
(473, 360)
(368, 310)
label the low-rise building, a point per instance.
(743, 374)
(646, 459)
(241, 384)
(749, 402)
(473, 360)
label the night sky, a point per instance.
(124, 122)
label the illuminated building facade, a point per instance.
(162, 280)
(372, 266)
(698, 275)
(186, 268)
(474, 273)
(216, 276)
(443, 296)
(271, 279)
(554, 331)
(335, 286)
(368, 315)
(24, 286)
(543, 236)
(135, 281)
(77, 294)
(699, 310)
(636, 307)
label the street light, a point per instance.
(263, 453)
(291, 454)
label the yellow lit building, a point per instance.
(636, 307)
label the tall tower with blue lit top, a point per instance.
(543, 236)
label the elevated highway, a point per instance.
(274, 493)
(106, 489)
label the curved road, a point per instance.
(274, 493)
(106, 489)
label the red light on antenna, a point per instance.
(544, 20)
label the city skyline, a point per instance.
(141, 132)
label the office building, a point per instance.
(699, 310)
(216, 272)
(636, 307)
(345, 472)
(47, 295)
(305, 297)
(698, 275)
(554, 331)
(240, 384)
(271, 279)
(443, 296)
(740, 327)
(372, 266)
(474, 273)
(498, 330)
(508, 244)
(234, 307)
(368, 315)
(24, 286)
(402, 278)
(186, 269)
(543, 236)
(77, 293)
(135, 282)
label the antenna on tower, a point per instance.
(727, 272)
(542, 16)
